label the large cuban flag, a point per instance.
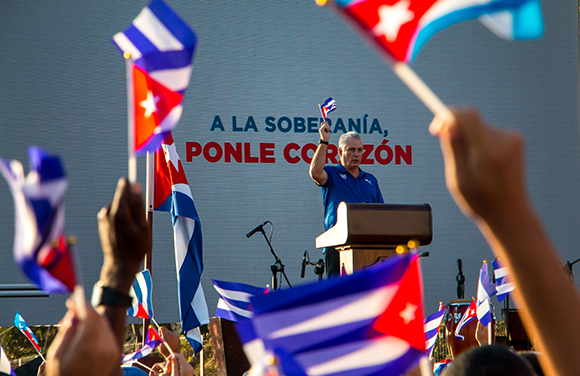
(402, 27)
(40, 248)
(161, 46)
(366, 323)
(172, 194)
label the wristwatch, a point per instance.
(103, 295)
(322, 142)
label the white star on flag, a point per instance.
(150, 104)
(171, 155)
(392, 17)
(408, 314)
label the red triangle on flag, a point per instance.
(403, 318)
(152, 102)
(166, 173)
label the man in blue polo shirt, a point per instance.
(343, 182)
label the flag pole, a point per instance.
(149, 195)
(130, 126)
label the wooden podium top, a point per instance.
(378, 226)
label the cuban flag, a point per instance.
(25, 329)
(234, 302)
(161, 47)
(153, 340)
(172, 194)
(432, 324)
(366, 323)
(485, 290)
(5, 363)
(402, 27)
(503, 284)
(469, 315)
(327, 107)
(142, 305)
(40, 248)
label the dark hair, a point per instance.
(492, 360)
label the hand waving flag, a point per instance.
(402, 27)
(161, 47)
(39, 243)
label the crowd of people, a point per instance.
(485, 174)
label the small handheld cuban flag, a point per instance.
(366, 323)
(142, 305)
(327, 107)
(502, 283)
(234, 302)
(470, 314)
(40, 248)
(485, 290)
(402, 28)
(160, 46)
(432, 324)
(153, 340)
(25, 329)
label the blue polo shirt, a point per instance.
(342, 186)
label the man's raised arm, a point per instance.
(317, 172)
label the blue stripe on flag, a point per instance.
(173, 23)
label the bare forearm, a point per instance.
(549, 302)
(317, 172)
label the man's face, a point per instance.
(351, 156)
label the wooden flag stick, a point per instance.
(421, 90)
(162, 340)
(130, 126)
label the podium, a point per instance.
(365, 234)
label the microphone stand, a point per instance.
(277, 267)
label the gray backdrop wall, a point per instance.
(63, 88)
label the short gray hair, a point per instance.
(343, 140)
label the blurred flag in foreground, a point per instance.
(25, 329)
(503, 285)
(369, 322)
(327, 107)
(432, 324)
(153, 340)
(234, 301)
(172, 194)
(470, 314)
(485, 290)
(40, 248)
(161, 46)
(5, 363)
(141, 292)
(402, 27)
